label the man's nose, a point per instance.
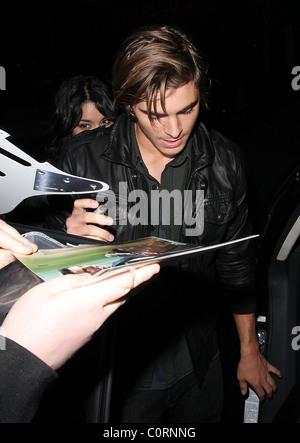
(173, 127)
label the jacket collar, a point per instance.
(203, 152)
(119, 146)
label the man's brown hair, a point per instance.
(152, 60)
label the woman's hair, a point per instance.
(68, 112)
(150, 61)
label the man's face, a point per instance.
(168, 134)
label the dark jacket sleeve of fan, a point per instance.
(23, 380)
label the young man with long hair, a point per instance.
(167, 365)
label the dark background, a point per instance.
(251, 46)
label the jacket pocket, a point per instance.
(220, 209)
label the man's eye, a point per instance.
(157, 117)
(188, 111)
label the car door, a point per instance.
(279, 297)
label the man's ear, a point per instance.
(130, 113)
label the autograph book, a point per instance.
(58, 259)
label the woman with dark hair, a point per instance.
(82, 103)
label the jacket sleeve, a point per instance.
(81, 153)
(23, 379)
(236, 264)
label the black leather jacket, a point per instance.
(217, 167)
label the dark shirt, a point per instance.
(175, 362)
(174, 177)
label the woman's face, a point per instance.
(91, 119)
